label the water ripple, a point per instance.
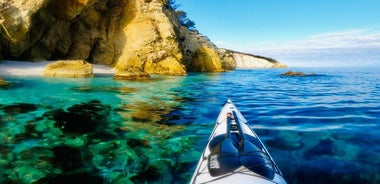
(324, 126)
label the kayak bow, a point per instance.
(235, 154)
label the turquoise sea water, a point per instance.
(319, 129)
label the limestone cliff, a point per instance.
(244, 60)
(138, 37)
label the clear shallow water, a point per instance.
(319, 129)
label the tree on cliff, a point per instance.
(181, 15)
(171, 4)
(184, 20)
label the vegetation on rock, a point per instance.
(182, 16)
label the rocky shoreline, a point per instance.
(136, 37)
(22, 68)
(79, 68)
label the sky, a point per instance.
(295, 32)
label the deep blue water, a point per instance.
(319, 129)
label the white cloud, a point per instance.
(354, 38)
(348, 47)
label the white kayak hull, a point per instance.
(235, 154)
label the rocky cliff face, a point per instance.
(244, 60)
(138, 37)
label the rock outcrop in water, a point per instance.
(296, 74)
(3, 82)
(72, 69)
(138, 37)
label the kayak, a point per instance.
(235, 154)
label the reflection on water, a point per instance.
(107, 131)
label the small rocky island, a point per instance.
(296, 74)
(3, 82)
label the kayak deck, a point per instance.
(234, 153)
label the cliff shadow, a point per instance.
(60, 30)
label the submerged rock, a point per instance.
(324, 147)
(29, 164)
(81, 177)
(113, 89)
(151, 174)
(326, 170)
(81, 118)
(134, 142)
(67, 158)
(27, 174)
(19, 108)
(285, 144)
(74, 122)
(147, 111)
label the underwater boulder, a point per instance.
(75, 123)
(284, 144)
(93, 107)
(19, 108)
(112, 89)
(328, 171)
(81, 118)
(25, 174)
(151, 174)
(324, 147)
(83, 178)
(134, 142)
(67, 158)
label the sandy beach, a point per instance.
(22, 68)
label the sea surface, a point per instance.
(322, 128)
